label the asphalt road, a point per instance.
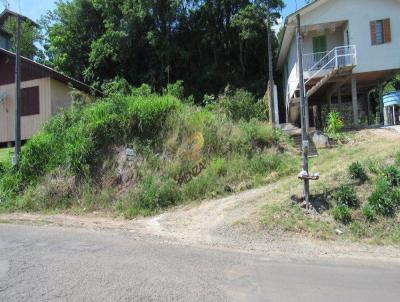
(39, 263)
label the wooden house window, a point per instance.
(380, 32)
(30, 101)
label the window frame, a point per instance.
(30, 101)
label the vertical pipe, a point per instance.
(18, 93)
(303, 108)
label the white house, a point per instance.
(350, 47)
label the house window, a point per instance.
(380, 32)
(30, 101)
(319, 44)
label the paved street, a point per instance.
(39, 263)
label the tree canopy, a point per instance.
(206, 43)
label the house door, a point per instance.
(319, 49)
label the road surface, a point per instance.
(41, 263)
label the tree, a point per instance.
(30, 35)
(206, 43)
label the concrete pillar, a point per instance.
(386, 120)
(354, 100)
(381, 107)
(339, 96)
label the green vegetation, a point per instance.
(346, 195)
(357, 171)
(5, 155)
(361, 211)
(78, 160)
(335, 123)
(207, 44)
(342, 213)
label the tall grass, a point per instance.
(170, 138)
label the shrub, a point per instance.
(392, 174)
(342, 213)
(146, 116)
(384, 200)
(243, 105)
(154, 194)
(368, 212)
(346, 195)
(356, 171)
(335, 123)
(259, 134)
(176, 90)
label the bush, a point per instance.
(357, 172)
(335, 123)
(176, 90)
(146, 116)
(347, 196)
(384, 200)
(243, 105)
(154, 194)
(368, 212)
(392, 174)
(342, 213)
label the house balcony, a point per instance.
(317, 65)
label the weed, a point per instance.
(335, 123)
(384, 201)
(392, 174)
(346, 195)
(356, 171)
(368, 212)
(342, 213)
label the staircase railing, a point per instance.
(336, 58)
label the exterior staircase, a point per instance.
(295, 134)
(335, 63)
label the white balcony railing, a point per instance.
(315, 63)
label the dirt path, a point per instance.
(232, 222)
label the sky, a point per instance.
(35, 8)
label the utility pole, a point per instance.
(270, 68)
(304, 131)
(18, 93)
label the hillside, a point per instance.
(140, 153)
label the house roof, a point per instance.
(290, 29)
(9, 13)
(46, 71)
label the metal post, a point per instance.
(18, 93)
(304, 132)
(270, 69)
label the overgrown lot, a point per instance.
(181, 152)
(357, 197)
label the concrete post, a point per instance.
(339, 95)
(354, 100)
(381, 107)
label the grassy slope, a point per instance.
(5, 155)
(332, 164)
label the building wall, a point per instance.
(60, 96)
(359, 13)
(50, 92)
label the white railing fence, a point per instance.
(338, 57)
